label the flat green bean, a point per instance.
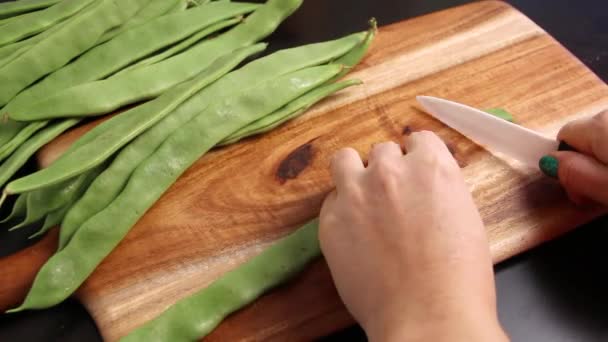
(107, 186)
(65, 271)
(51, 220)
(291, 110)
(148, 82)
(116, 132)
(182, 45)
(66, 43)
(20, 138)
(36, 22)
(112, 56)
(30, 147)
(112, 180)
(42, 202)
(12, 51)
(9, 129)
(63, 199)
(83, 101)
(194, 317)
(154, 9)
(12, 8)
(19, 209)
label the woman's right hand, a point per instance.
(584, 174)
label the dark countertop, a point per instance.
(554, 293)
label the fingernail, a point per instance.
(549, 166)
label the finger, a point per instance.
(425, 142)
(583, 176)
(346, 165)
(588, 136)
(384, 152)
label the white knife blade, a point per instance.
(489, 131)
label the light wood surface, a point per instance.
(235, 201)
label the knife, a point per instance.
(491, 132)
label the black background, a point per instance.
(554, 293)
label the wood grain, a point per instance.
(236, 200)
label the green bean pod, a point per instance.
(19, 209)
(59, 48)
(65, 271)
(22, 136)
(154, 9)
(113, 134)
(50, 221)
(41, 203)
(12, 8)
(112, 56)
(290, 111)
(9, 129)
(194, 317)
(74, 189)
(36, 22)
(112, 180)
(148, 82)
(31, 146)
(86, 100)
(185, 44)
(107, 186)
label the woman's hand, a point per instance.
(584, 175)
(406, 245)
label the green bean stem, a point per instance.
(194, 317)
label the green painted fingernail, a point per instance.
(549, 166)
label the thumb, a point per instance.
(582, 176)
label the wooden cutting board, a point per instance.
(235, 201)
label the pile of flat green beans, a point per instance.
(189, 73)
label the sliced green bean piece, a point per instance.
(65, 271)
(12, 8)
(19, 209)
(117, 132)
(111, 181)
(194, 317)
(149, 82)
(59, 48)
(501, 113)
(290, 111)
(110, 57)
(36, 22)
(24, 134)
(182, 45)
(154, 9)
